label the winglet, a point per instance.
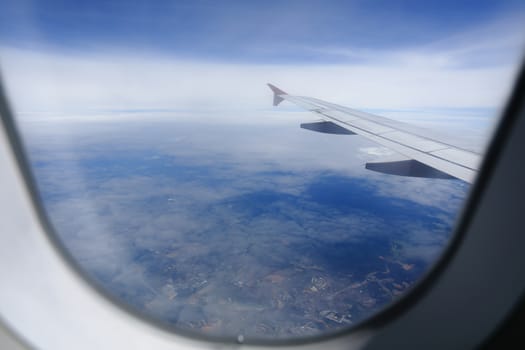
(277, 94)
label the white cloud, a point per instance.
(366, 152)
(451, 73)
(210, 242)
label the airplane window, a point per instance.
(200, 198)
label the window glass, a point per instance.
(180, 191)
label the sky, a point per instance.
(64, 57)
(239, 31)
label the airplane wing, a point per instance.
(421, 156)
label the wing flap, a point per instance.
(418, 142)
(459, 156)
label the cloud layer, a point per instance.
(206, 232)
(470, 69)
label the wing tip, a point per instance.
(277, 93)
(276, 90)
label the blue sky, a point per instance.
(269, 31)
(73, 57)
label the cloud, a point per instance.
(376, 151)
(186, 223)
(471, 69)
